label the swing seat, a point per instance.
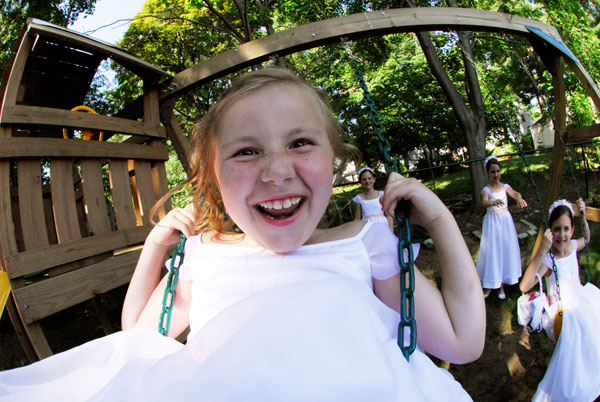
(73, 214)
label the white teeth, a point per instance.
(280, 204)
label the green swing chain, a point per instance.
(565, 148)
(407, 273)
(517, 140)
(169, 296)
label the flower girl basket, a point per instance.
(535, 314)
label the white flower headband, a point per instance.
(489, 158)
(559, 203)
(366, 168)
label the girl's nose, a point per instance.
(277, 169)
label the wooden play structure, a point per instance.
(74, 212)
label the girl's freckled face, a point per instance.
(274, 166)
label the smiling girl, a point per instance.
(282, 311)
(368, 207)
(499, 258)
(572, 373)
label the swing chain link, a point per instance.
(407, 273)
(407, 288)
(169, 296)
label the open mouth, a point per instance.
(280, 209)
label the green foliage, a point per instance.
(14, 14)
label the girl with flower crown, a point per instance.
(368, 207)
(499, 259)
(572, 374)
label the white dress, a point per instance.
(573, 373)
(303, 326)
(499, 259)
(371, 209)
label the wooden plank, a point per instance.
(180, 143)
(93, 196)
(161, 187)
(145, 189)
(12, 148)
(583, 133)
(361, 25)
(16, 74)
(151, 107)
(37, 115)
(21, 330)
(56, 294)
(122, 197)
(38, 339)
(49, 216)
(8, 241)
(63, 200)
(27, 262)
(31, 207)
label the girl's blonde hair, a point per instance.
(208, 209)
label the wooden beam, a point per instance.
(27, 262)
(56, 294)
(180, 143)
(18, 148)
(583, 133)
(45, 116)
(351, 26)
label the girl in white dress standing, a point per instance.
(573, 371)
(282, 311)
(368, 207)
(499, 259)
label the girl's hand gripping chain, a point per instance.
(143, 302)
(450, 322)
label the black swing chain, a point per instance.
(169, 296)
(517, 140)
(407, 273)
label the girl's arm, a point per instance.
(357, 212)
(143, 302)
(585, 239)
(450, 321)
(517, 196)
(535, 266)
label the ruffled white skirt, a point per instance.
(499, 259)
(329, 340)
(574, 370)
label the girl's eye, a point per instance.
(245, 152)
(301, 143)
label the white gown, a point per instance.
(304, 326)
(371, 209)
(574, 370)
(499, 259)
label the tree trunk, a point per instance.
(470, 118)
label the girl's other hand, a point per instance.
(581, 206)
(522, 203)
(425, 209)
(547, 241)
(166, 232)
